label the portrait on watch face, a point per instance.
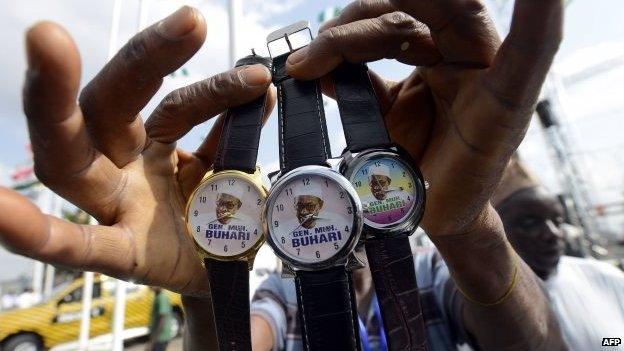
(227, 206)
(387, 190)
(311, 218)
(308, 205)
(224, 216)
(380, 181)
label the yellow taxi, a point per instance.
(57, 320)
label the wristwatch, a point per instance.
(313, 216)
(392, 191)
(224, 217)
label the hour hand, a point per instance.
(226, 215)
(307, 218)
(395, 189)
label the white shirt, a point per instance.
(587, 297)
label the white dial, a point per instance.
(311, 219)
(224, 215)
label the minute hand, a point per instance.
(307, 218)
(227, 215)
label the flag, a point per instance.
(23, 177)
(183, 72)
(329, 13)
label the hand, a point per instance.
(464, 111)
(99, 155)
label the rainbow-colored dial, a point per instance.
(388, 190)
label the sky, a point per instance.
(594, 109)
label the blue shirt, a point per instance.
(275, 301)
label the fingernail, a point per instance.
(298, 56)
(255, 75)
(178, 24)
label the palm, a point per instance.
(99, 155)
(466, 108)
(442, 137)
(151, 211)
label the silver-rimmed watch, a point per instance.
(313, 215)
(392, 191)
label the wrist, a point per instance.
(197, 306)
(480, 260)
(200, 332)
(485, 231)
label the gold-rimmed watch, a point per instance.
(224, 217)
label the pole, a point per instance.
(49, 281)
(85, 321)
(143, 14)
(582, 182)
(119, 315)
(56, 211)
(114, 29)
(44, 200)
(38, 270)
(87, 293)
(234, 11)
(119, 312)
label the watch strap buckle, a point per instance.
(286, 33)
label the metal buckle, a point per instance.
(287, 31)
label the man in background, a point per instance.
(586, 295)
(160, 322)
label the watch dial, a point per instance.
(388, 190)
(225, 216)
(311, 218)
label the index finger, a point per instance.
(184, 108)
(520, 67)
(392, 35)
(462, 29)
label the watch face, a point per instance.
(388, 189)
(312, 218)
(224, 215)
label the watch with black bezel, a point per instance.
(392, 191)
(313, 216)
(224, 217)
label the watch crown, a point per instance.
(287, 271)
(354, 262)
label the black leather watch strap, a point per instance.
(363, 124)
(229, 288)
(303, 133)
(327, 308)
(240, 135)
(392, 267)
